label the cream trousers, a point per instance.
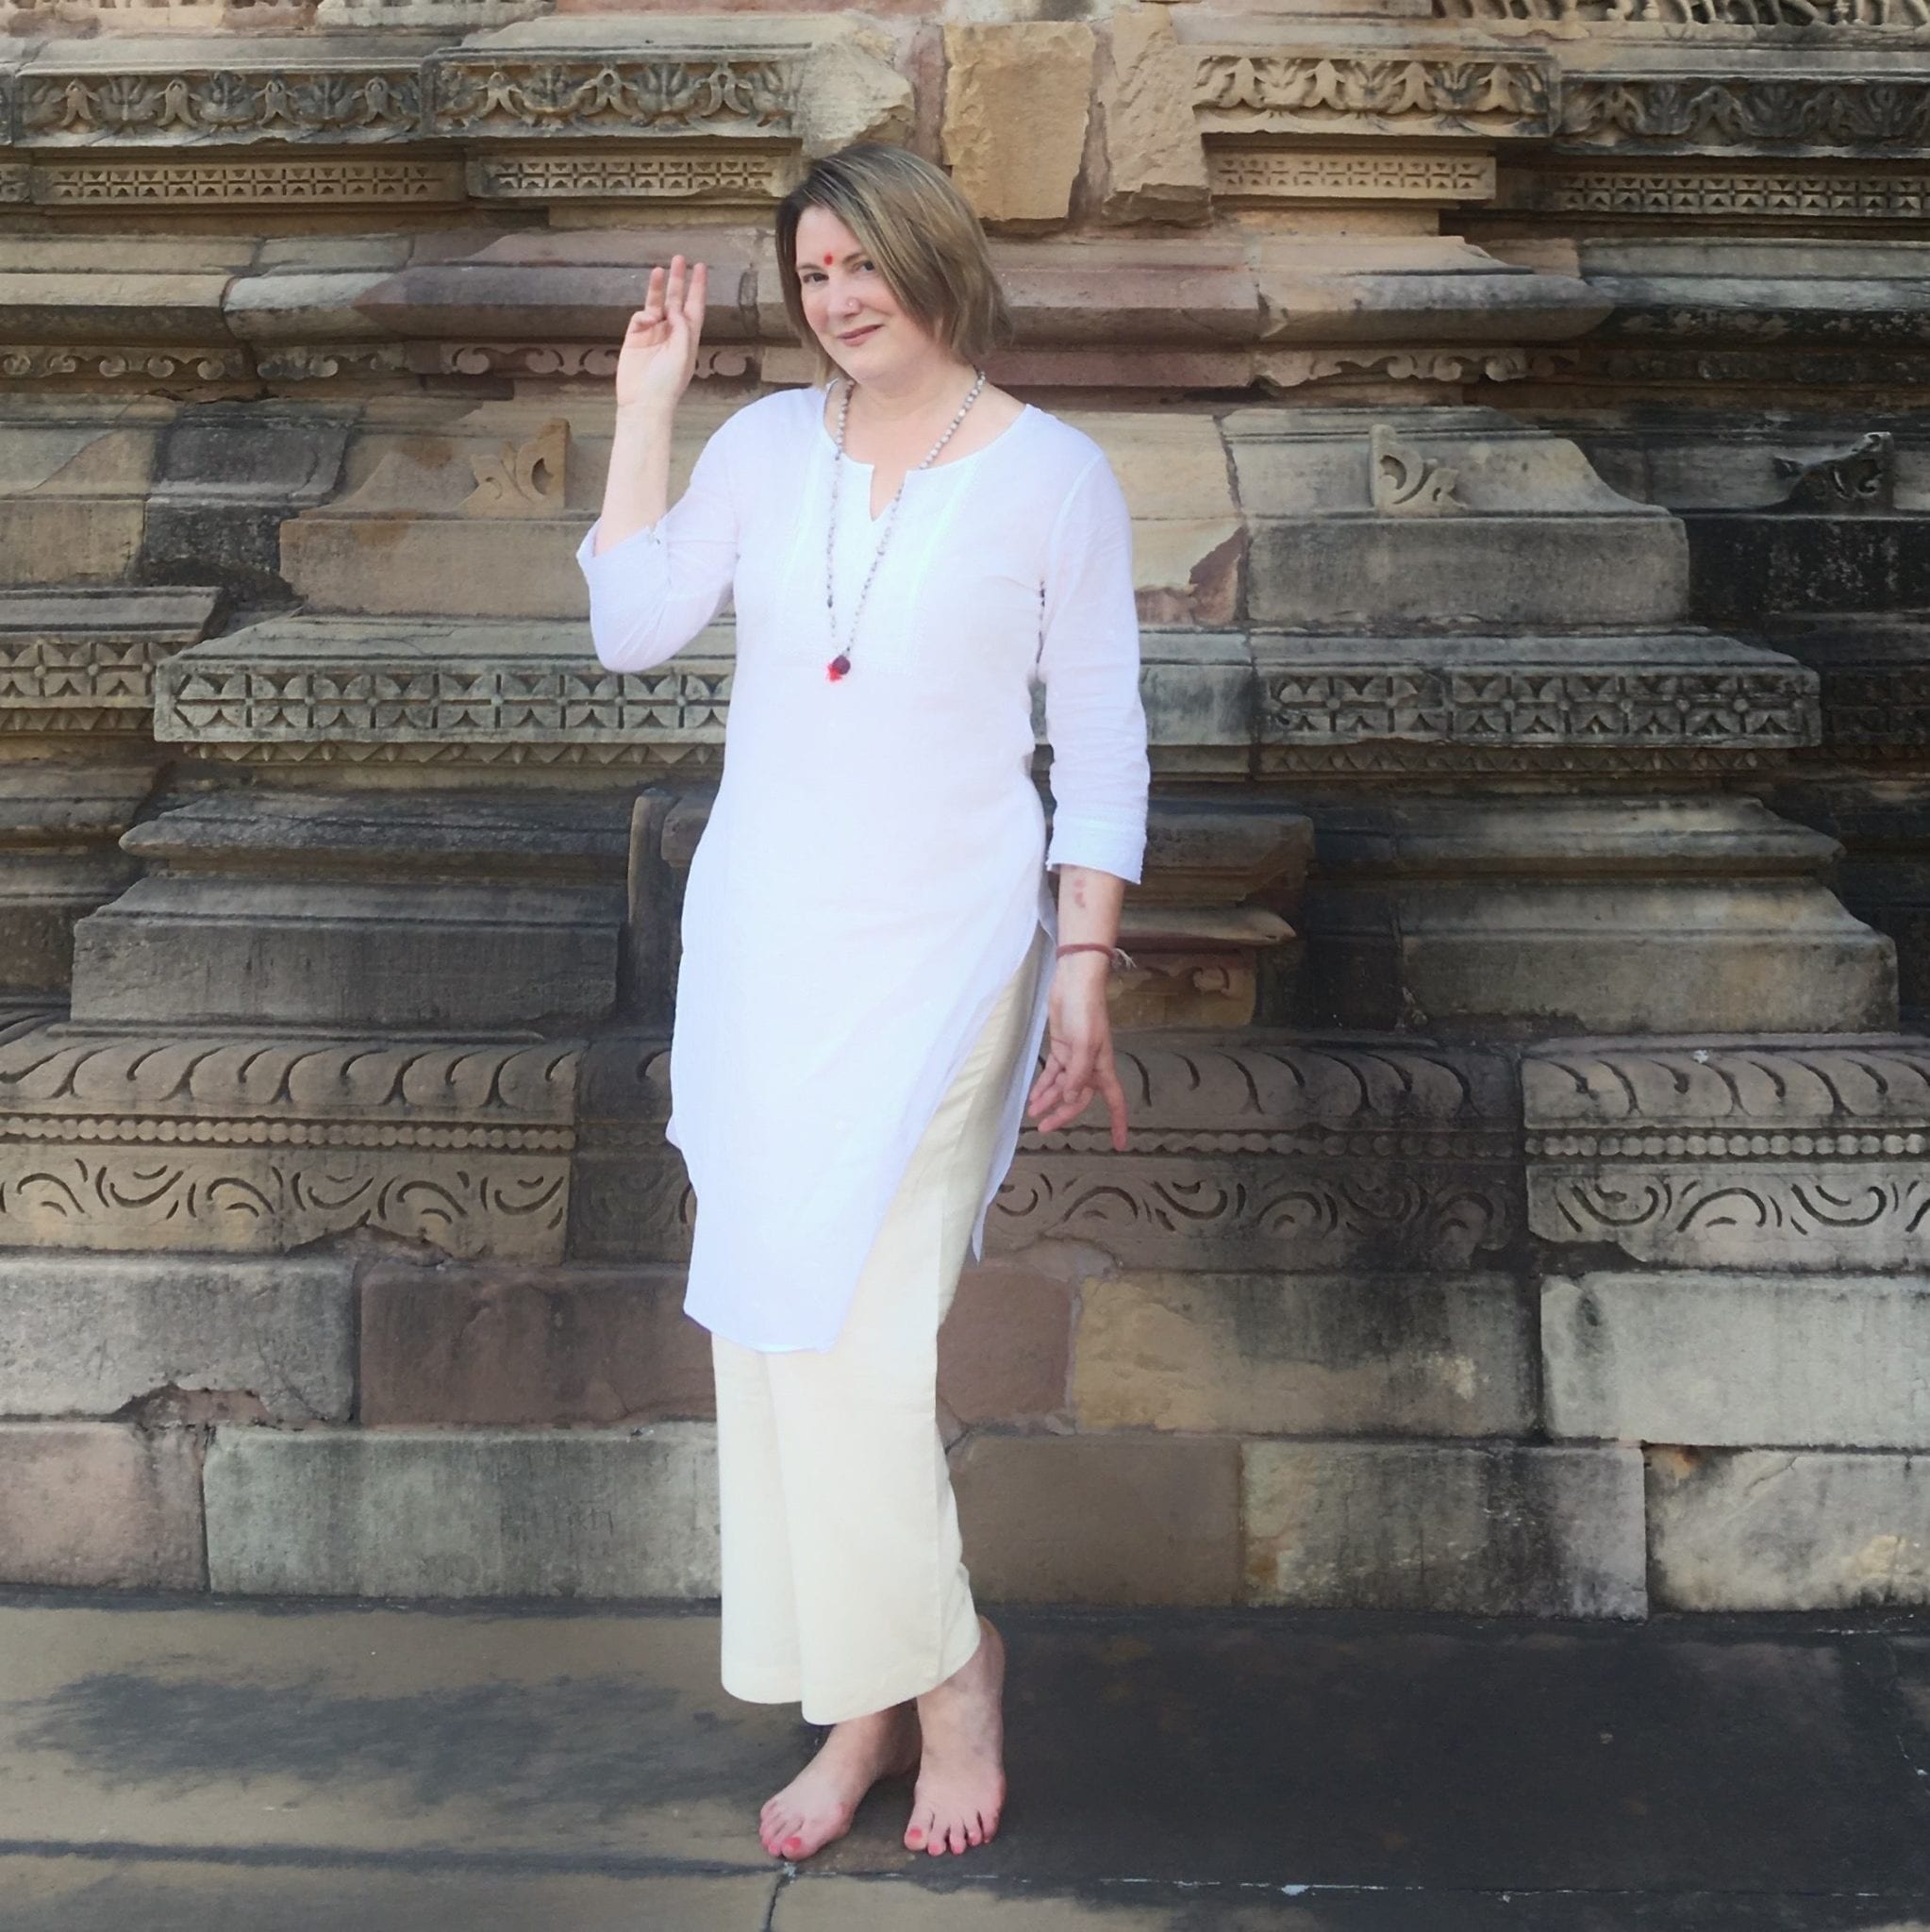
(843, 1582)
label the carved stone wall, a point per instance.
(1525, 411)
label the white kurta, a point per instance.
(873, 867)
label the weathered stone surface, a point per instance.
(516, 1345)
(1323, 290)
(1769, 1529)
(425, 529)
(73, 480)
(1005, 1346)
(1738, 1359)
(1777, 1154)
(849, 91)
(88, 1335)
(99, 1505)
(623, 1513)
(1100, 1519)
(440, 912)
(1017, 97)
(60, 856)
(1618, 915)
(226, 478)
(1305, 1355)
(1187, 537)
(258, 1142)
(1872, 669)
(1535, 538)
(1493, 1530)
(1156, 163)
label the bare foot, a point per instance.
(961, 1775)
(818, 1804)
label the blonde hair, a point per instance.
(922, 234)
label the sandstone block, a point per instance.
(1155, 163)
(1304, 1354)
(510, 1345)
(85, 1334)
(1739, 1358)
(75, 488)
(1491, 1530)
(1770, 1529)
(467, 913)
(1656, 915)
(1488, 523)
(426, 1514)
(1017, 97)
(1118, 1518)
(848, 91)
(98, 1504)
(1004, 1348)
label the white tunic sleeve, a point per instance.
(651, 593)
(1089, 661)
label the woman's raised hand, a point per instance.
(660, 352)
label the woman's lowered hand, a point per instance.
(1079, 1062)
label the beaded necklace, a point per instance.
(841, 662)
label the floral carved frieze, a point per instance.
(1664, 15)
(211, 103)
(709, 95)
(256, 1144)
(1779, 1153)
(1240, 90)
(1774, 114)
(751, 177)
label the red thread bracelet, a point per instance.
(1122, 961)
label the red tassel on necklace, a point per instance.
(838, 667)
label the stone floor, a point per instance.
(286, 1767)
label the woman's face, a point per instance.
(848, 303)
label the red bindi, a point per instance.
(827, 262)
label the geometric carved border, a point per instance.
(1787, 193)
(278, 179)
(1272, 173)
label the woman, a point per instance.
(871, 953)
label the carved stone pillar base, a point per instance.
(1615, 915)
(420, 912)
